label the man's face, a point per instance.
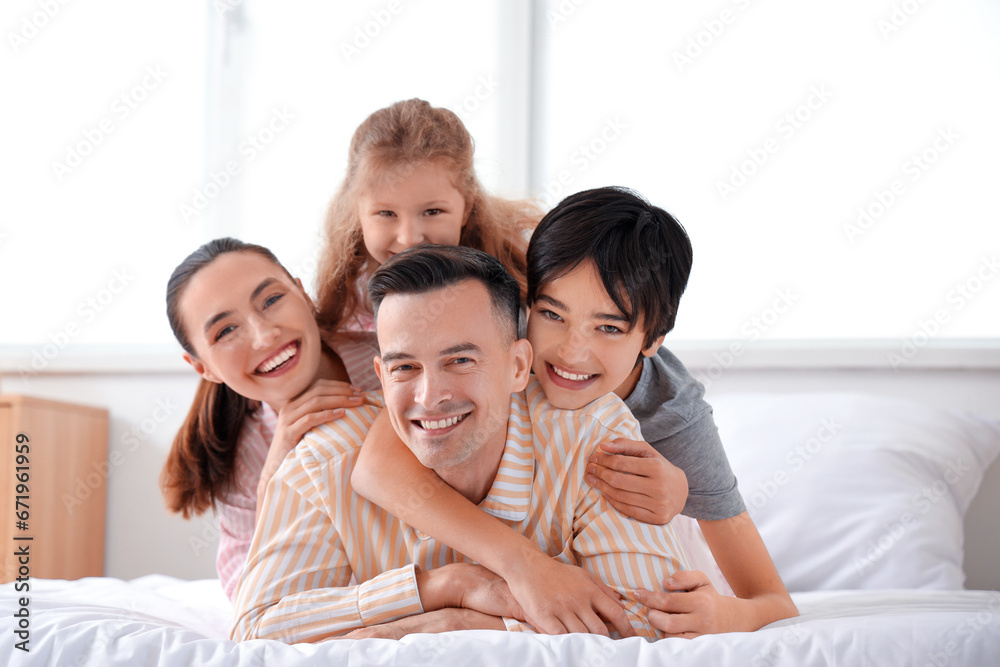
(447, 374)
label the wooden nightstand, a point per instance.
(67, 461)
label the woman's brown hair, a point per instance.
(200, 466)
(400, 136)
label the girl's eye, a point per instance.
(433, 211)
(385, 214)
(609, 328)
(223, 332)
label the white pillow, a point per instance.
(857, 491)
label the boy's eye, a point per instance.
(609, 328)
(548, 314)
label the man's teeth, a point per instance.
(278, 359)
(440, 423)
(570, 376)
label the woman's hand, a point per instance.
(322, 402)
(689, 606)
(558, 598)
(638, 481)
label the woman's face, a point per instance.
(415, 206)
(252, 328)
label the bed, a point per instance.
(880, 514)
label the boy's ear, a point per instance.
(654, 346)
(200, 369)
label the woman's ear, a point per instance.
(654, 346)
(200, 369)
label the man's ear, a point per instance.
(378, 369)
(654, 346)
(521, 356)
(200, 369)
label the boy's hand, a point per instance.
(638, 481)
(690, 606)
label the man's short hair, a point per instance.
(642, 253)
(431, 267)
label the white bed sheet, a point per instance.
(167, 621)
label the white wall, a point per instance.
(147, 408)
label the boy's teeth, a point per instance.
(440, 423)
(278, 359)
(570, 376)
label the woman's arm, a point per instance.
(556, 597)
(690, 606)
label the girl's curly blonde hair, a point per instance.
(400, 136)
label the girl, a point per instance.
(410, 180)
(249, 329)
(606, 271)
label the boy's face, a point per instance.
(582, 344)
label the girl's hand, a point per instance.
(558, 598)
(638, 481)
(689, 606)
(322, 402)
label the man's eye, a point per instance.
(461, 360)
(402, 368)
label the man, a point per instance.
(457, 390)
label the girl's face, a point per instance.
(583, 347)
(419, 205)
(252, 328)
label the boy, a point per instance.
(606, 271)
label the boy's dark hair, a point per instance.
(642, 253)
(430, 267)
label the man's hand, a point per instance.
(690, 606)
(442, 620)
(467, 585)
(558, 598)
(325, 400)
(637, 481)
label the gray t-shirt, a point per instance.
(678, 423)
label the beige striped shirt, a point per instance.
(325, 561)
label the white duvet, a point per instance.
(166, 621)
